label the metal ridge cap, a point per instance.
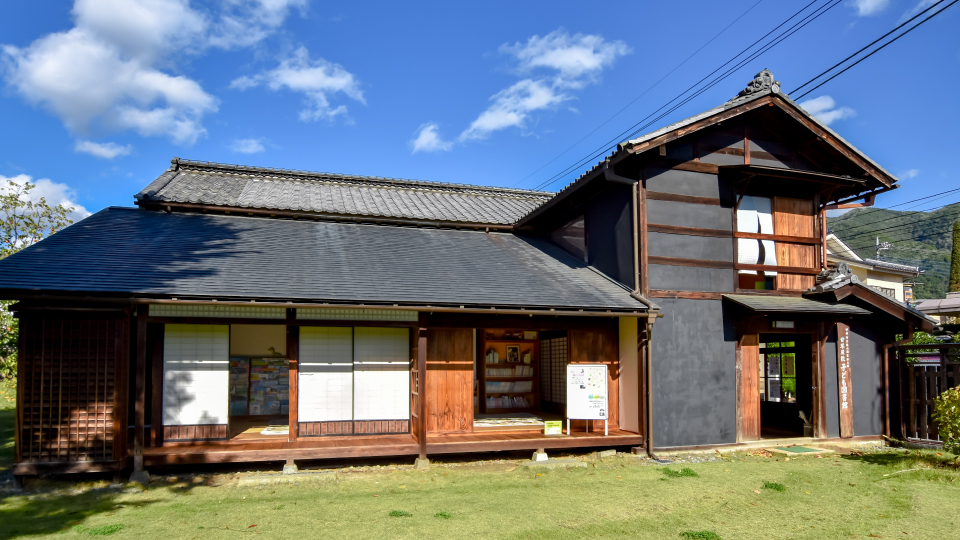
(226, 167)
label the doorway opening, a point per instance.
(785, 385)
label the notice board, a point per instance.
(587, 392)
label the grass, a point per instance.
(8, 393)
(840, 495)
(774, 486)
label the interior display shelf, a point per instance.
(509, 393)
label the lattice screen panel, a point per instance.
(70, 378)
(553, 370)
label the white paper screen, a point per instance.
(326, 374)
(755, 215)
(196, 361)
(381, 374)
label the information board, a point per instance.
(587, 392)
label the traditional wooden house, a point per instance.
(248, 314)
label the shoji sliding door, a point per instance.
(196, 360)
(325, 381)
(381, 380)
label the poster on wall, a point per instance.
(587, 392)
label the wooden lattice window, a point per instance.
(71, 378)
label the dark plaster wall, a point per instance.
(689, 215)
(688, 278)
(694, 374)
(609, 224)
(866, 378)
(830, 385)
(682, 182)
(690, 247)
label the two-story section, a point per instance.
(720, 220)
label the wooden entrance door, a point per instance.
(749, 405)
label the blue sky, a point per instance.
(98, 95)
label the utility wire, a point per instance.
(875, 51)
(649, 88)
(763, 49)
(934, 197)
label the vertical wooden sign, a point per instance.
(844, 388)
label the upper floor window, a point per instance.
(572, 237)
(755, 215)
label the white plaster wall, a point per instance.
(629, 375)
(196, 360)
(887, 281)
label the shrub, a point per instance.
(946, 411)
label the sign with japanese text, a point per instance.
(587, 391)
(844, 388)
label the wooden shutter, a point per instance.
(795, 217)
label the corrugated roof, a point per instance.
(792, 304)
(189, 255)
(238, 186)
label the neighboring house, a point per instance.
(884, 276)
(243, 314)
(945, 310)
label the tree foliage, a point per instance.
(955, 259)
(946, 411)
(25, 221)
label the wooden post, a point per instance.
(844, 387)
(293, 355)
(156, 377)
(422, 369)
(643, 256)
(139, 396)
(819, 412)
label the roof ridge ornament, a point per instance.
(761, 82)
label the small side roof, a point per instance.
(792, 304)
(125, 252)
(940, 306)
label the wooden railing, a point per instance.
(926, 372)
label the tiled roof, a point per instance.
(136, 252)
(792, 304)
(213, 184)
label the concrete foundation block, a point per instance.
(423, 464)
(540, 455)
(290, 467)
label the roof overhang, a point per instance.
(881, 302)
(793, 305)
(948, 306)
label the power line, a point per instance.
(634, 100)
(935, 196)
(879, 48)
(763, 49)
(925, 215)
(797, 89)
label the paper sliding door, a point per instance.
(196, 359)
(381, 379)
(326, 380)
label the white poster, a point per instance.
(587, 397)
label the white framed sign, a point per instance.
(587, 397)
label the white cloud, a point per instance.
(107, 72)
(317, 79)
(825, 109)
(908, 174)
(922, 5)
(246, 22)
(428, 140)
(570, 62)
(102, 150)
(247, 146)
(53, 192)
(869, 7)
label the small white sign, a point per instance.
(587, 392)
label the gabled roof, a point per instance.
(198, 183)
(126, 252)
(840, 283)
(838, 250)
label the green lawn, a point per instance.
(740, 496)
(8, 392)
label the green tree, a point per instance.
(23, 222)
(955, 260)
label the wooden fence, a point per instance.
(926, 372)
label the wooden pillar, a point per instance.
(155, 332)
(749, 360)
(140, 389)
(293, 355)
(422, 402)
(818, 415)
(844, 386)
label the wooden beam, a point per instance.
(696, 263)
(690, 199)
(783, 269)
(293, 355)
(140, 389)
(155, 332)
(693, 166)
(690, 295)
(689, 231)
(779, 238)
(422, 401)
